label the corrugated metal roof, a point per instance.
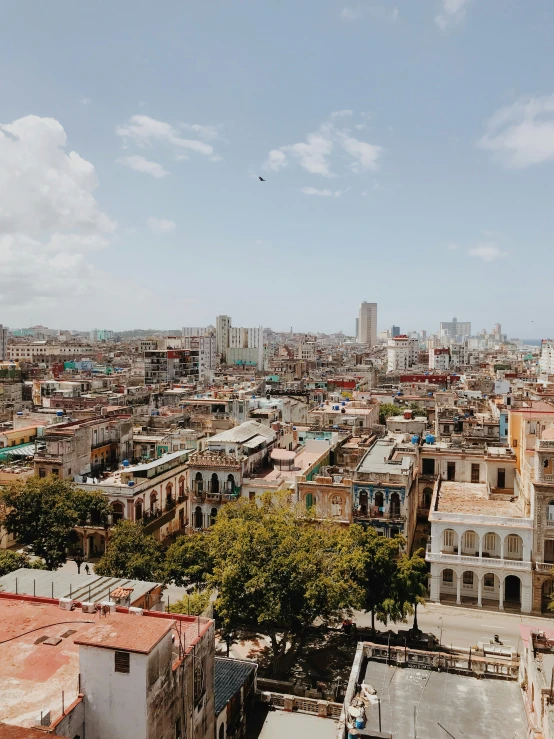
(256, 441)
(230, 676)
(240, 434)
(68, 585)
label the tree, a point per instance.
(193, 604)
(388, 409)
(188, 560)
(42, 513)
(410, 584)
(373, 560)
(278, 571)
(132, 554)
(10, 561)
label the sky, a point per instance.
(407, 150)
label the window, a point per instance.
(550, 510)
(451, 471)
(549, 550)
(122, 662)
(178, 731)
(469, 540)
(199, 680)
(513, 544)
(514, 443)
(427, 466)
(447, 576)
(475, 468)
(488, 581)
(489, 542)
(41, 472)
(55, 472)
(448, 538)
(468, 578)
(501, 478)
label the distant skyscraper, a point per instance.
(367, 324)
(395, 331)
(455, 328)
(3, 342)
(357, 334)
(222, 326)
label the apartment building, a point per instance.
(402, 353)
(367, 324)
(439, 359)
(455, 329)
(3, 343)
(546, 362)
(169, 365)
(204, 350)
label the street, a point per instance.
(464, 627)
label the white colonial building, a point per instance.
(481, 547)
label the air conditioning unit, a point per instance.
(66, 604)
(133, 611)
(88, 607)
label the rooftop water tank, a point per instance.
(430, 395)
(415, 439)
(131, 484)
(429, 439)
(19, 413)
(294, 428)
(344, 402)
(125, 463)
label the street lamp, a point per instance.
(440, 637)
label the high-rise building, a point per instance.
(3, 343)
(222, 326)
(395, 331)
(357, 328)
(367, 324)
(401, 353)
(100, 335)
(455, 329)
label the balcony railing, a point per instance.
(547, 567)
(488, 562)
(476, 519)
(153, 524)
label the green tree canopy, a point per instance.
(410, 583)
(193, 604)
(42, 514)
(277, 571)
(132, 555)
(188, 560)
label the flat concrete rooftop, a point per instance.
(472, 497)
(281, 724)
(465, 706)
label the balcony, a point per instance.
(546, 567)
(487, 562)
(153, 522)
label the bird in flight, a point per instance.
(261, 179)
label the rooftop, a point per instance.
(473, 498)
(376, 460)
(243, 433)
(230, 676)
(128, 633)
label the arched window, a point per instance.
(231, 484)
(138, 510)
(336, 506)
(213, 515)
(199, 482)
(214, 484)
(222, 732)
(427, 495)
(363, 502)
(395, 505)
(153, 502)
(550, 508)
(117, 511)
(168, 494)
(379, 501)
(198, 518)
(181, 487)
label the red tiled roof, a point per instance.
(7, 731)
(128, 633)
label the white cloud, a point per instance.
(141, 164)
(452, 12)
(314, 154)
(143, 131)
(49, 217)
(487, 252)
(86, 101)
(160, 226)
(395, 14)
(342, 113)
(207, 132)
(347, 14)
(321, 193)
(366, 156)
(276, 160)
(522, 134)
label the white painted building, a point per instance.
(207, 354)
(546, 361)
(367, 324)
(481, 547)
(401, 353)
(455, 329)
(439, 359)
(198, 331)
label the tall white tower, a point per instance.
(222, 326)
(367, 324)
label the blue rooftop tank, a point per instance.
(415, 439)
(19, 413)
(131, 484)
(430, 395)
(429, 439)
(59, 414)
(125, 463)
